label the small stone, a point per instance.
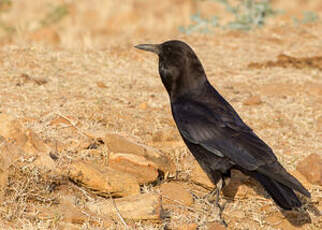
(311, 168)
(174, 193)
(101, 85)
(253, 100)
(143, 106)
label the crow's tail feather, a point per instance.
(281, 194)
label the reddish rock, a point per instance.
(101, 85)
(253, 100)
(120, 144)
(106, 182)
(311, 168)
(198, 176)
(175, 193)
(143, 170)
(25, 141)
(143, 106)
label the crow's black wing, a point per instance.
(222, 134)
(219, 130)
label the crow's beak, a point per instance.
(149, 47)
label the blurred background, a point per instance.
(98, 23)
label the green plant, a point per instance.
(248, 14)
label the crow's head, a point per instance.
(179, 67)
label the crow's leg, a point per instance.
(214, 197)
(219, 187)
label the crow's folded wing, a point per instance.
(222, 133)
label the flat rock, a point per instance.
(26, 141)
(143, 170)
(137, 207)
(120, 144)
(311, 168)
(198, 176)
(106, 182)
(175, 193)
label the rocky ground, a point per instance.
(87, 139)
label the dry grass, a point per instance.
(83, 67)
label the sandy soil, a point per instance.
(84, 67)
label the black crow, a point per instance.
(213, 131)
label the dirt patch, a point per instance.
(285, 61)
